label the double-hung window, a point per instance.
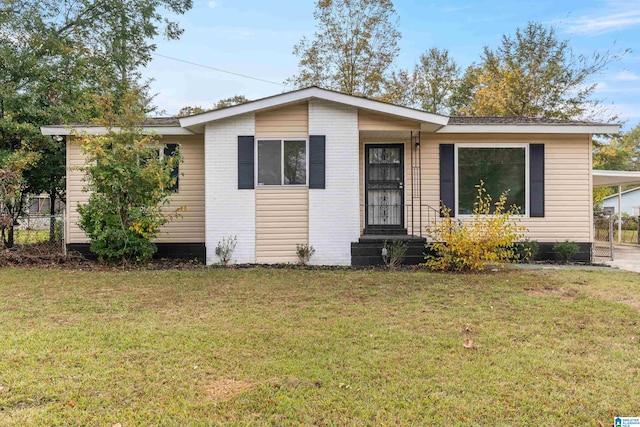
(282, 162)
(503, 168)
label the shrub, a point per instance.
(304, 253)
(488, 238)
(526, 250)
(225, 248)
(393, 254)
(566, 250)
(130, 185)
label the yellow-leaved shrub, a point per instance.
(487, 238)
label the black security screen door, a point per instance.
(384, 188)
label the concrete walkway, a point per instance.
(625, 257)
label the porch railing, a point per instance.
(397, 218)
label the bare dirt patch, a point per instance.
(227, 388)
(549, 291)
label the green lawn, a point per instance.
(292, 347)
(628, 236)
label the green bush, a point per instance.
(225, 248)
(393, 253)
(130, 185)
(304, 253)
(108, 239)
(566, 250)
(526, 250)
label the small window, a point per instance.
(500, 168)
(282, 162)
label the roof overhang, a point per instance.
(531, 128)
(100, 130)
(603, 178)
(427, 120)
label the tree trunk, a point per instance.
(10, 237)
(52, 216)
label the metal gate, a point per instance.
(603, 235)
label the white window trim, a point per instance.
(282, 141)
(527, 190)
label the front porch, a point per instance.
(391, 205)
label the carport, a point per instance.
(604, 178)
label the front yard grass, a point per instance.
(291, 347)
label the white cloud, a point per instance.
(626, 76)
(213, 4)
(604, 23)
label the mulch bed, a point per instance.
(48, 255)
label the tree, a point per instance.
(620, 152)
(353, 48)
(532, 74)
(130, 185)
(12, 191)
(429, 87)
(223, 103)
(55, 54)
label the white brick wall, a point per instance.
(334, 214)
(229, 211)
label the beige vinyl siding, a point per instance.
(567, 181)
(75, 195)
(188, 228)
(282, 222)
(381, 122)
(291, 121)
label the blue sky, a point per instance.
(256, 37)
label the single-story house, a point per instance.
(629, 202)
(343, 173)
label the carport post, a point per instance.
(619, 214)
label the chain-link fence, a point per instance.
(36, 229)
(603, 235)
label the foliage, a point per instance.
(12, 191)
(526, 250)
(487, 238)
(532, 74)
(223, 103)
(55, 55)
(129, 184)
(353, 48)
(304, 253)
(429, 87)
(620, 152)
(225, 248)
(566, 250)
(393, 253)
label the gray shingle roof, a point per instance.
(149, 121)
(470, 120)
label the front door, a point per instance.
(384, 188)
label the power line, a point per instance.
(220, 70)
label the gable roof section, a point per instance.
(301, 95)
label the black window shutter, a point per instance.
(245, 162)
(448, 177)
(317, 160)
(169, 151)
(536, 180)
